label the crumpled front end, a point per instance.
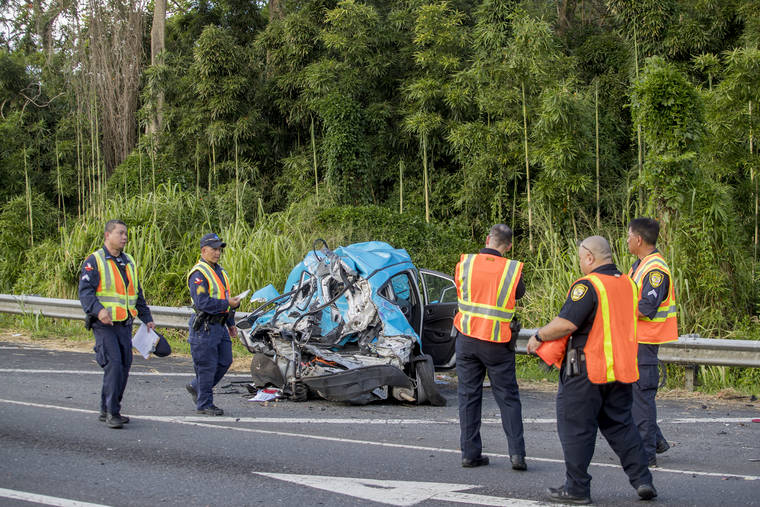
(331, 335)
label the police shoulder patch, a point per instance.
(579, 290)
(655, 278)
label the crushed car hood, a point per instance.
(332, 318)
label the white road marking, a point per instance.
(132, 373)
(402, 493)
(44, 499)
(183, 420)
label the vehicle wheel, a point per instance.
(426, 388)
(300, 391)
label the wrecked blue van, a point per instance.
(357, 324)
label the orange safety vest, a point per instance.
(663, 327)
(119, 299)
(486, 287)
(611, 347)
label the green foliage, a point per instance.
(433, 246)
(436, 103)
(17, 234)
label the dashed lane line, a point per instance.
(392, 445)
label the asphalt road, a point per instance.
(54, 451)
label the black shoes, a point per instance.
(646, 491)
(104, 416)
(115, 421)
(192, 392)
(653, 462)
(561, 495)
(475, 462)
(518, 462)
(212, 410)
(662, 446)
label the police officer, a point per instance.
(487, 286)
(596, 374)
(211, 326)
(111, 296)
(657, 324)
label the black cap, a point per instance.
(213, 241)
(162, 348)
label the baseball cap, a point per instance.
(162, 347)
(213, 241)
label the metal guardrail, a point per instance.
(689, 350)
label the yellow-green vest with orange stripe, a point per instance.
(663, 327)
(486, 287)
(116, 296)
(218, 288)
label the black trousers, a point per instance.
(644, 394)
(113, 352)
(475, 358)
(582, 408)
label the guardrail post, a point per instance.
(692, 379)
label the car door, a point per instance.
(439, 295)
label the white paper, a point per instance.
(243, 294)
(144, 341)
(268, 394)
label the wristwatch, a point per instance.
(538, 338)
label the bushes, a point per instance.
(17, 234)
(435, 246)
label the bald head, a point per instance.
(593, 252)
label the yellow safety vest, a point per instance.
(118, 298)
(218, 288)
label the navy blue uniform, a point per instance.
(583, 407)
(210, 345)
(474, 358)
(645, 390)
(113, 344)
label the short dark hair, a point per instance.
(501, 234)
(647, 228)
(111, 225)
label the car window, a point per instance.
(439, 289)
(401, 288)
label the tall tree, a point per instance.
(157, 47)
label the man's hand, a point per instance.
(233, 302)
(104, 316)
(533, 345)
(151, 325)
(232, 330)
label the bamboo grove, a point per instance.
(416, 122)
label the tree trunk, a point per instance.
(425, 170)
(157, 46)
(638, 131)
(596, 115)
(527, 166)
(276, 9)
(314, 153)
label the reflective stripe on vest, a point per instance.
(217, 288)
(486, 308)
(118, 299)
(663, 327)
(611, 347)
